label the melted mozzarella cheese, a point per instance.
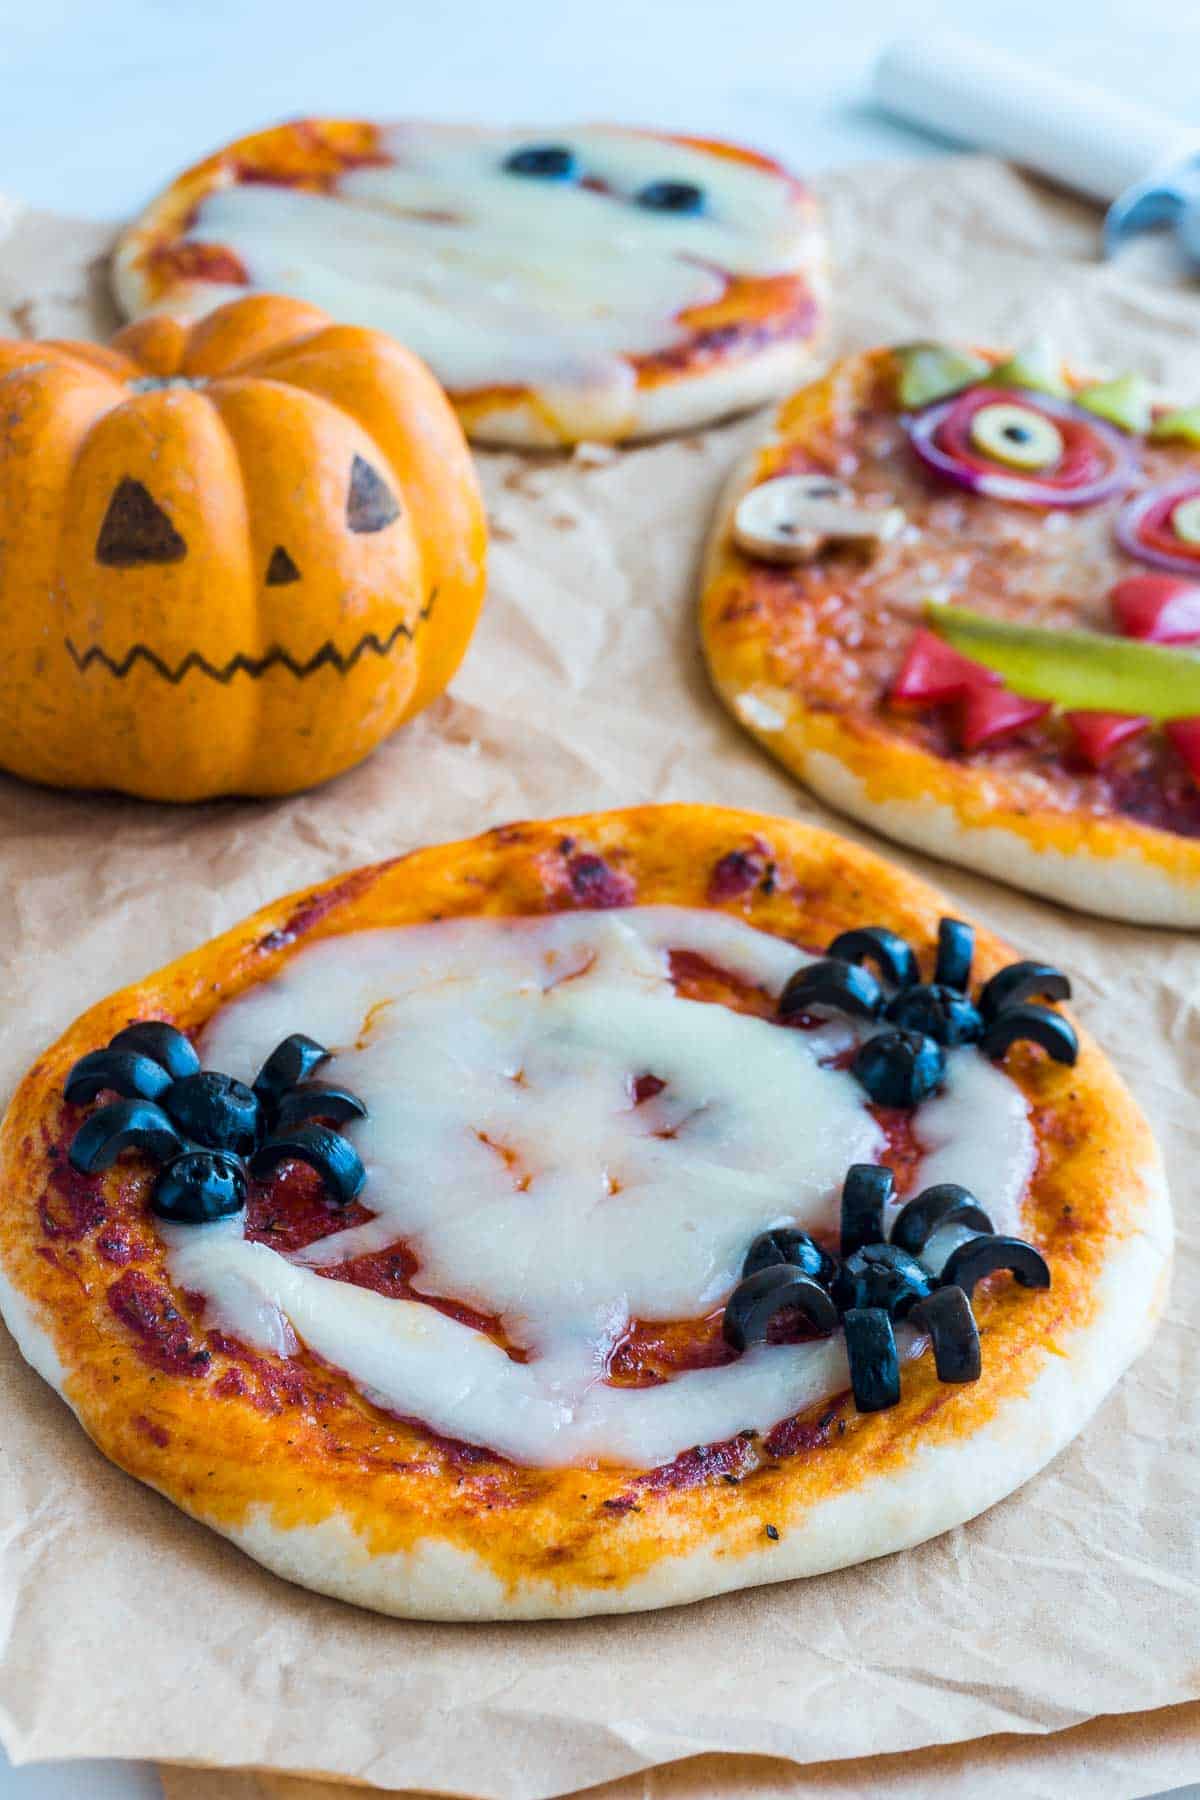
(506, 1147)
(500, 279)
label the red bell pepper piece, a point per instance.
(1185, 737)
(1161, 609)
(1098, 734)
(989, 713)
(935, 671)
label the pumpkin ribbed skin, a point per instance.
(234, 555)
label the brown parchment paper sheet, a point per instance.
(129, 1631)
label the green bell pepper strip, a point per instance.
(1084, 671)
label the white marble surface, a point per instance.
(101, 103)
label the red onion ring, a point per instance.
(1151, 511)
(1090, 444)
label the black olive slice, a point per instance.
(289, 1063)
(218, 1112)
(874, 1363)
(950, 1323)
(840, 985)
(545, 162)
(199, 1186)
(865, 1192)
(755, 1301)
(899, 1068)
(984, 1255)
(944, 1204)
(671, 196)
(322, 1100)
(122, 1071)
(124, 1125)
(794, 1249)
(942, 1013)
(881, 1275)
(151, 1037)
(893, 958)
(335, 1159)
(956, 948)
(1039, 1024)
(1021, 981)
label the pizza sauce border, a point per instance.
(222, 1430)
(752, 314)
(889, 766)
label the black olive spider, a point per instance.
(876, 1280)
(904, 1065)
(209, 1130)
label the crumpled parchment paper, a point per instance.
(127, 1630)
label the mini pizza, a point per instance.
(594, 1216)
(598, 283)
(960, 598)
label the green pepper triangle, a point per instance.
(1037, 367)
(1124, 401)
(930, 372)
(1084, 671)
(1180, 427)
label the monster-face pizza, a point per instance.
(599, 283)
(593, 1216)
(961, 599)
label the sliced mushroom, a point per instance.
(793, 517)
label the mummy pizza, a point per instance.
(594, 1216)
(960, 598)
(598, 283)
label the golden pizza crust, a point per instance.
(1111, 865)
(286, 1459)
(758, 339)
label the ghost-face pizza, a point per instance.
(600, 283)
(960, 598)
(577, 1220)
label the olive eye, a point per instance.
(671, 196)
(1016, 435)
(1185, 520)
(544, 162)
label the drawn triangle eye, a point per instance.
(281, 570)
(370, 504)
(137, 530)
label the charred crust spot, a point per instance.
(370, 503)
(136, 530)
(281, 570)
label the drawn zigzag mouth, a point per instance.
(327, 657)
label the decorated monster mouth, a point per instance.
(329, 656)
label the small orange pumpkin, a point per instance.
(234, 555)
